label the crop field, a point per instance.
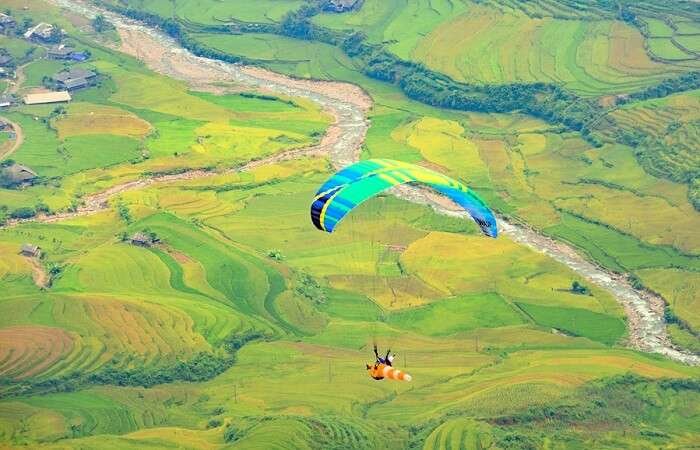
(86, 118)
(151, 306)
(242, 326)
(500, 43)
(146, 123)
(217, 12)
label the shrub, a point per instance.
(231, 434)
(214, 423)
(23, 213)
(578, 288)
(309, 288)
(275, 254)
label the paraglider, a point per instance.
(382, 368)
(360, 181)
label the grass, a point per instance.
(680, 289)
(350, 306)
(37, 70)
(86, 118)
(212, 12)
(454, 315)
(579, 322)
(666, 49)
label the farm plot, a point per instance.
(591, 58)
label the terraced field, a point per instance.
(502, 42)
(242, 326)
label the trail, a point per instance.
(14, 145)
(348, 104)
(13, 87)
(39, 275)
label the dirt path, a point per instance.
(39, 275)
(13, 88)
(348, 105)
(10, 146)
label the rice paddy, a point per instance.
(491, 331)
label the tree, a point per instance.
(100, 24)
(56, 34)
(578, 288)
(23, 213)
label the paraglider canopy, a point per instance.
(356, 183)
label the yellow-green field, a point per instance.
(245, 327)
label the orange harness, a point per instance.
(380, 371)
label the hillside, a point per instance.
(183, 299)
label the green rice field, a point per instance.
(242, 326)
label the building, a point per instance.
(342, 5)
(143, 239)
(80, 56)
(75, 83)
(18, 174)
(6, 60)
(6, 23)
(41, 32)
(74, 78)
(60, 52)
(47, 97)
(6, 101)
(3, 124)
(30, 250)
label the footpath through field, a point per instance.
(348, 104)
(10, 146)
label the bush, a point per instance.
(578, 288)
(23, 213)
(275, 254)
(124, 213)
(42, 208)
(231, 434)
(214, 423)
(309, 288)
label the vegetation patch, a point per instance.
(577, 322)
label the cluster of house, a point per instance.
(64, 81)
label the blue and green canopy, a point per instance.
(365, 179)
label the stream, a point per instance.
(349, 105)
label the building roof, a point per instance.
(47, 97)
(344, 3)
(6, 20)
(141, 237)
(43, 30)
(67, 75)
(61, 50)
(31, 249)
(75, 83)
(18, 173)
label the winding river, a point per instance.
(348, 104)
